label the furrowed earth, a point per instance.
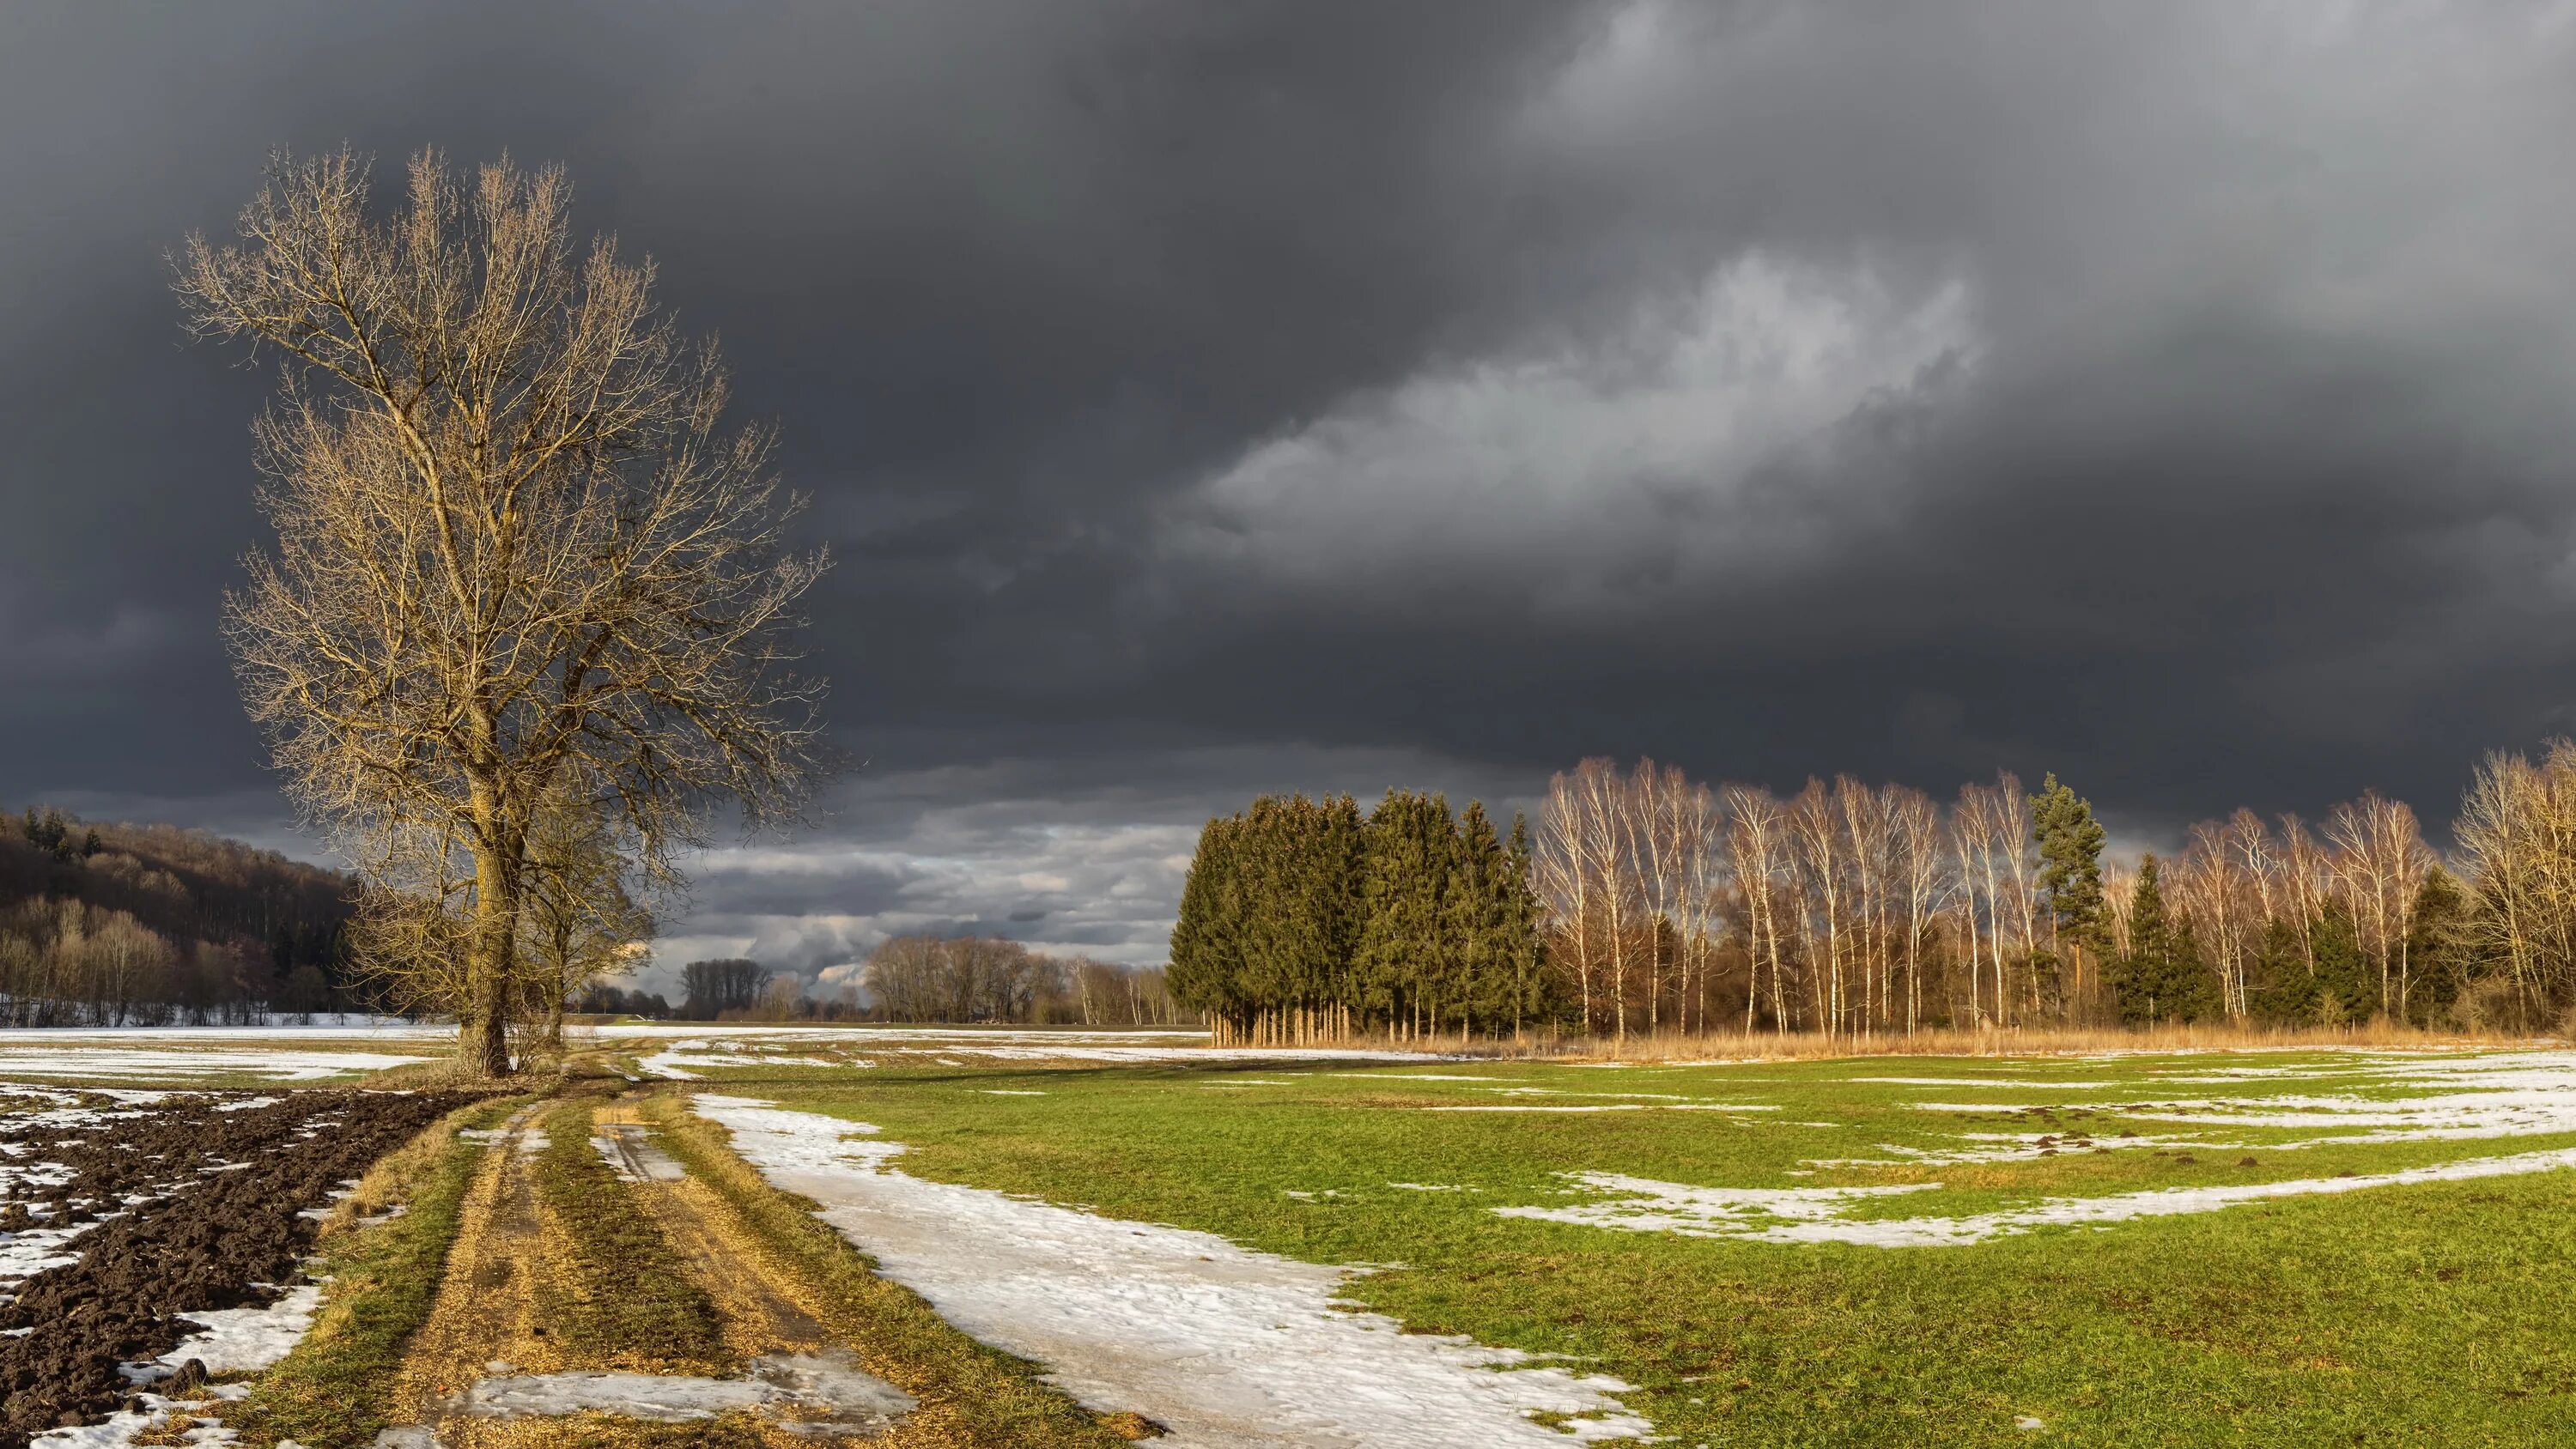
(747, 1235)
(166, 1206)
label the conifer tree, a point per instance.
(1476, 923)
(1403, 879)
(2070, 870)
(1205, 969)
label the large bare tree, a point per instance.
(520, 554)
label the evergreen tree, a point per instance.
(1404, 878)
(1299, 924)
(2284, 988)
(1205, 972)
(1476, 922)
(2070, 862)
(2347, 983)
(2162, 978)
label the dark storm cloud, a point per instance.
(1206, 399)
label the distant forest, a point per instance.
(1651, 903)
(942, 979)
(117, 925)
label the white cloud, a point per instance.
(1573, 460)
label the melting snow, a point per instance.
(1819, 1214)
(1222, 1345)
(276, 1066)
(849, 1396)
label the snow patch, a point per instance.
(832, 1384)
(276, 1066)
(1820, 1214)
(1222, 1345)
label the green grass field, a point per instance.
(2414, 1313)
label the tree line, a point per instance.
(980, 980)
(1303, 919)
(1849, 908)
(989, 980)
(1649, 902)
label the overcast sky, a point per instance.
(1208, 399)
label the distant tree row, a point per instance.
(986, 979)
(1852, 909)
(1303, 919)
(1650, 902)
(963, 979)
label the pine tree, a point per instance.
(2161, 979)
(2437, 945)
(2070, 870)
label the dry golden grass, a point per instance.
(1730, 1046)
(486, 1305)
(392, 1178)
(2033, 1041)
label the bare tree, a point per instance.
(2304, 885)
(580, 922)
(2210, 887)
(1757, 852)
(1564, 880)
(1972, 847)
(2381, 861)
(1653, 815)
(1925, 882)
(1700, 827)
(2016, 918)
(1824, 914)
(519, 555)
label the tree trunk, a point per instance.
(483, 1035)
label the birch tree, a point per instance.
(1756, 831)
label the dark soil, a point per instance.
(211, 1232)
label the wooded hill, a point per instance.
(111, 925)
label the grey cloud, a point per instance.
(1209, 399)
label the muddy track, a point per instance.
(490, 1368)
(222, 1192)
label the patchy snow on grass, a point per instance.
(1820, 1214)
(275, 1066)
(1222, 1345)
(2004, 1082)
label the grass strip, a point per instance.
(619, 1295)
(970, 1392)
(336, 1388)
